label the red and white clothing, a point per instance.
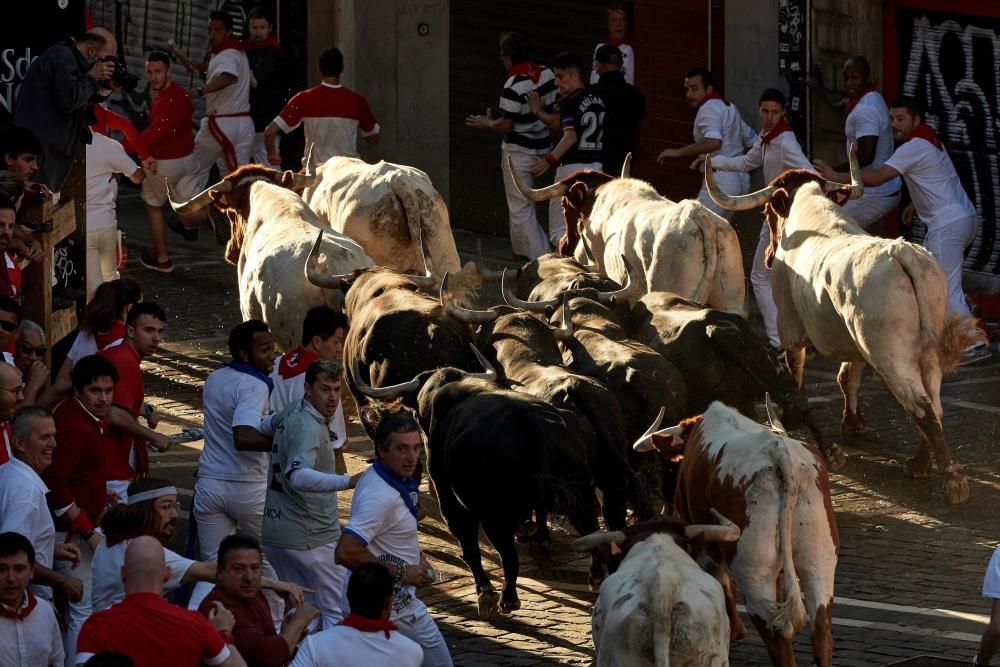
(628, 61)
(225, 137)
(23, 509)
(109, 120)
(30, 636)
(129, 394)
(107, 573)
(868, 116)
(720, 119)
(170, 140)
(105, 160)
(154, 633)
(5, 451)
(357, 648)
(10, 276)
(333, 115)
(253, 633)
(289, 376)
(87, 343)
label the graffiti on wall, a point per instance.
(793, 50)
(951, 62)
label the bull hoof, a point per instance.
(919, 468)
(489, 602)
(510, 604)
(835, 457)
(852, 423)
(525, 532)
(956, 489)
(595, 583)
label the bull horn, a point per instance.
(772, 415)
(857, 185)
(645, 441)
(627, 166)
(459, 313)
(200, 200)
(490, 373)
(630, 287)
(314, 276)
(592, 264)
(381, 392)
(590, 542)
(488, 274)
(310, 178)
(423, 282)
(734, 202)
(727, 531)
(565, 332)
(530, 306)
(557, 189)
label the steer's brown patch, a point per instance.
(236, 203)
(578, 202)
(776, 210)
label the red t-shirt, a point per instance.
(78, 472)
(129, 394)
(169, 134)
(254, 633)
(10, 277)
(154, 633)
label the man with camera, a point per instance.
(54, 96)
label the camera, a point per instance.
(121, 76)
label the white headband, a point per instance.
(152, 494)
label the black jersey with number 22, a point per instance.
(585, 111)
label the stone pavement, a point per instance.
(910, 566)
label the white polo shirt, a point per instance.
(628, 63)
(870, 118)
(234, 98)
(717, 120)
(936, 191)
(34, 640)
(381, 520)
(290, 390)
(105, 159)
(107, 587)
(231, 399)
(23, 509)
(354, 648)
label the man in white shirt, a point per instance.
(617, 36)
(938, 199)
(29, 631)
(232, 471)
(383, 529)
(367, 636)
(776, 149)
(718, 128)
(105, 159)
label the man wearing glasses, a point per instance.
(30, 349)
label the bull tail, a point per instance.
(958, 332)
(710, 246)
(789, 615)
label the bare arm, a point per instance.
(126, 423)
(352, 554)
(219, 81)
(691, 150)
(249, 439)
(137, 176)
(501, 124)
(866, 153)
(271, 133)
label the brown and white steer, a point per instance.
(775, 488)
(660, 607)
(682, 247)
(861, 300)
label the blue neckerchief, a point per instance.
(407, 488)
(240, 367)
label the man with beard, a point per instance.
(10, 271)
(269, 87)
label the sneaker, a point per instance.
(974, 354)
(187, 233)
(146, 259)
(220, 225)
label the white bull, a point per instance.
(682, 247)
(272, 233)
(861, 300)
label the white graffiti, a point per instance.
(64, 267)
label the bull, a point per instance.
(776, 489)
(861, 300)
(679, 247)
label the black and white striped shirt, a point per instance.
(529, 134)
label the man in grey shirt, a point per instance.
(301, 527)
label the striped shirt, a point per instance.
(529, 134)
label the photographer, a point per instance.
(53, 100)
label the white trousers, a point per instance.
(422, 629)
(526, 235)
(258, 152)
(760, 278)
(731, 183)
(208, 151)
(948, 243)
(102, 257)
(180, 173)
(316, 570)
(871, 208)
(557, 222)
(78, 612)
(222, 507)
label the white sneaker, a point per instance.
(974, 354)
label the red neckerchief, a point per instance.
(6, 284)
(927, 133)
(778, 129)
(116, 331)
(230, 43)
(368, 624)
(21, 613)
(528, 68)
(296, 362)
(272, 40)
(714, 95)
(853, 101)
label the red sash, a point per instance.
(296, 362)
(527, 68)
(713, 95)
(778, 129)
(927, 133)
(368, 624)
(228, 150)
(22, 612)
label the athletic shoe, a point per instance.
(220, 225)
(147, 259)
(188, 233)
(974, 354)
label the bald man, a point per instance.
(52, 102)
(149, 629)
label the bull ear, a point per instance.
(577, 195)
(216, 196)
(781, 202)
(667, 442)
(287, 179)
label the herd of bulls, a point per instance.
(531, 407)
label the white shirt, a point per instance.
(936, 191)
(381, 520)
(717, 120)
(107, 587)
(341, 646)
(23, 509)
(9, 358)
(870, 118)
(290, 390)
(628, 63)
(85, 345)
(234, 98)
(784, 152)
(35, 641)
(105, 158)
(231, 399)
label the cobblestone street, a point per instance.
(910, 566)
